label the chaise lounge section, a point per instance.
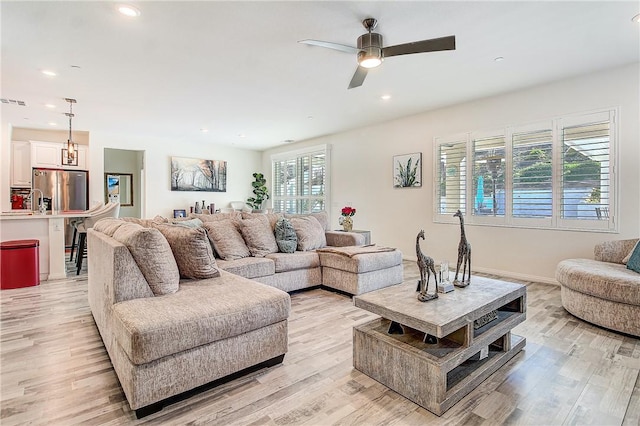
(603, 291)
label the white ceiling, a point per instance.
(236, 67)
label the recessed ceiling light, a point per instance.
(242, 135)
(385, 97)
(310, 117)
(49, 73)
(498, 59)
(51, 123)
(636, 18)
(50, 105)
(128, 10)
(203, 130)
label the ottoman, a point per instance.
(357, 270)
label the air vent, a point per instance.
(13, 102)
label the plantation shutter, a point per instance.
(586, 172)
(451, 191)
(532, 157)
(488, 176)
(300, 181)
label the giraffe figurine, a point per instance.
(464, 254)
(426, 267)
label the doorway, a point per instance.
(126, 169)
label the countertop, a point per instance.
(21, 214)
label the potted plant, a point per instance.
(260, 191)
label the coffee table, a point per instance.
(437, 375)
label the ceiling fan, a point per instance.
(370, 52)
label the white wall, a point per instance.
(361, 175)
(159, 199)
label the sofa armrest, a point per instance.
(343, 239)
(613, 251)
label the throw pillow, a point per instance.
(286, 237)
(627, 257)
(226, 239)
(153, 255)
(108, 225)
(189, 223)
(259, 237)
(191, 249)
(271, 218)
(323, 218)
(310, 233)
(634, 261)
(215, 217)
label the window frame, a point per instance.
(555, 222)
(295, 155)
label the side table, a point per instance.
(367, 234)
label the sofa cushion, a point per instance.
(249, 267)
(259, 237)
(309, 232)
(152, 253)
(611, 281)
(270, 218)
(375, 259)
(108, 225)
(286, 237)
(215, 217)
(322, 217)
(201, 312)
(191, 249)
(147, 223)
(226, 239)
(285, 262)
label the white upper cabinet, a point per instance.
(20, 164)
(49, 155)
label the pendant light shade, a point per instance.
(70, 152)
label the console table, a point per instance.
(394, 351)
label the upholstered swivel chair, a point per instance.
(109, 210)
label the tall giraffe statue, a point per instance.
(464, 254)
(426, 267)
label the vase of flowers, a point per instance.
(345, 218)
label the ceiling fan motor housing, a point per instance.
(370, 46)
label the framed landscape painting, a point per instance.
(407, 170)
(192, 174)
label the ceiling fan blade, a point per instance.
(431, 45)
(358, 77)
(330, 45)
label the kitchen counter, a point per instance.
(48, 229)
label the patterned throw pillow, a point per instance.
(226, 239)
(259, 237)
(191, 249)
(286, 237)
(153, 255)
(310, 233)
(634, 261)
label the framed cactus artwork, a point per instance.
(407, 170)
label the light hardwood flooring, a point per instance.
(55, 371)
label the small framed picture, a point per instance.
(179, 213)
(407, 170)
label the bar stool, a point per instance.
(74, 222)
(109, 210)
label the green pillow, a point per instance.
(286, 237)
(634, 260)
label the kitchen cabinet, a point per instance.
(20, 164)
(49, 155)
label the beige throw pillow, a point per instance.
(271, 218)
(322, 217)
(259, 237)
(108, 225)
(310, 233)
(153, 255)
(226, 239)
(191, 249)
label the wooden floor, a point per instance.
(55, 371)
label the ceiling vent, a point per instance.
(12, 102)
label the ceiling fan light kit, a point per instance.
(370, 52)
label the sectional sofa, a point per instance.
(174, 317)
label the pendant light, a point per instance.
(70, 153)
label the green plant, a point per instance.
(260, 191)
(407, 176)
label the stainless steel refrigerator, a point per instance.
(63, 190)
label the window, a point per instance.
(555, 174)
(300, 181)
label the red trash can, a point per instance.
(19, 264)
